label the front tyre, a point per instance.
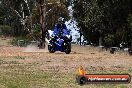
(51, 48)
(67, 48)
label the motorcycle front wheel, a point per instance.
(67, 48)
(51, 48)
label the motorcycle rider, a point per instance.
(60, 30)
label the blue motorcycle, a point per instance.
(60, 43)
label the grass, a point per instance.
(14, 74)
(33, 80)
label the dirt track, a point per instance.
(91, 58)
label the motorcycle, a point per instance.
(60, 43)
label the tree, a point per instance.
(103, 18)
(27, 15)
(20, 11)
(129, 33)
(46, 12)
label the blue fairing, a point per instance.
(59, 43)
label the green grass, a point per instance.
(35, 80)
(46, 80)
(18, 75)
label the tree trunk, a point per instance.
(80, 37)
(100, 41)
(42, 22)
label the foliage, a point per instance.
(36, 29)
(129, 19)
(24, 15)
(109, 40)
(52, 16)
(99, 18)
(5, 30)
(14, 41)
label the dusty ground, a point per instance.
(91, 58)
(80, 55)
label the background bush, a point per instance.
(14, 41)
(5, 30)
